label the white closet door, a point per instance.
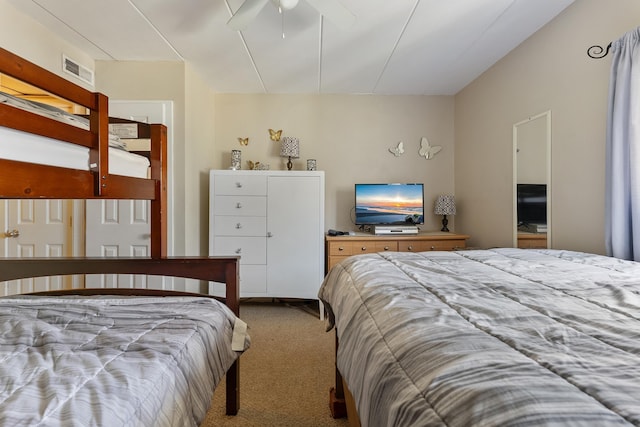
(118, 228)
(122, 227)
(293, 239)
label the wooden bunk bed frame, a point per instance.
(22, 180)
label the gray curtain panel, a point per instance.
(622, 198)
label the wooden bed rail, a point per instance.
(21, 69)
(216, 269)
(96, 138)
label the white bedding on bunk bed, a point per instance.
(113, 361)
(25, 147)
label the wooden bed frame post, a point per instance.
(337, 402)
(99, 150)
(159, 203)
(232, 279)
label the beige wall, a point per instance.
(163, 81)
(17, 35)
(349, 136)
(192, 136)
(199, 152)
(549, 71)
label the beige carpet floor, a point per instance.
(286, 374)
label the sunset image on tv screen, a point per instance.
(389, 204)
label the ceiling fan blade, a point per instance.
(335, 12)
(246, 13)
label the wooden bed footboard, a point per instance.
(215, 269)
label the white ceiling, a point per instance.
(423, 47)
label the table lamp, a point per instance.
(445, 205)
(290, 148)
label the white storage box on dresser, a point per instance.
(275, 221)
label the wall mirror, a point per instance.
(532, 182)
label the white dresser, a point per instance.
(275, 221)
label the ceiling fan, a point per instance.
(333, 10)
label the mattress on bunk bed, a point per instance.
(125, 361)
(31, 148)
(27, 147)
(488, 337)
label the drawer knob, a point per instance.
(410, 248)
(433, 248)
(238, 226)
(364, 248)
(239, 251)
(341, 248)
(238, 205)
(238, 185)
(386, 248)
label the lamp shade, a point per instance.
(445, 205)
(290, 147)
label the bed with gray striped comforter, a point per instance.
(111, 361)
(502, 337)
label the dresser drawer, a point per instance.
(240, 185)
(340, 248)
(345, 248)
(240, 226)
(333, 260)
(240, 205)
(252, 250)
(253, 281)
(370, 246)
(386, 246)
(430, 245)
(532, 244)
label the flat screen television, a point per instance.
(389, 204)
(532, 204)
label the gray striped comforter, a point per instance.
(107, 361)
(503, 337)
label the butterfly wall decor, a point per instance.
(275, 135)
(398, 150)
(427, 150)
(243, 141)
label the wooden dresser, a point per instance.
(275, 221)
(532, 240)
(341, 247)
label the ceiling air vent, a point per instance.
(72, 67)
